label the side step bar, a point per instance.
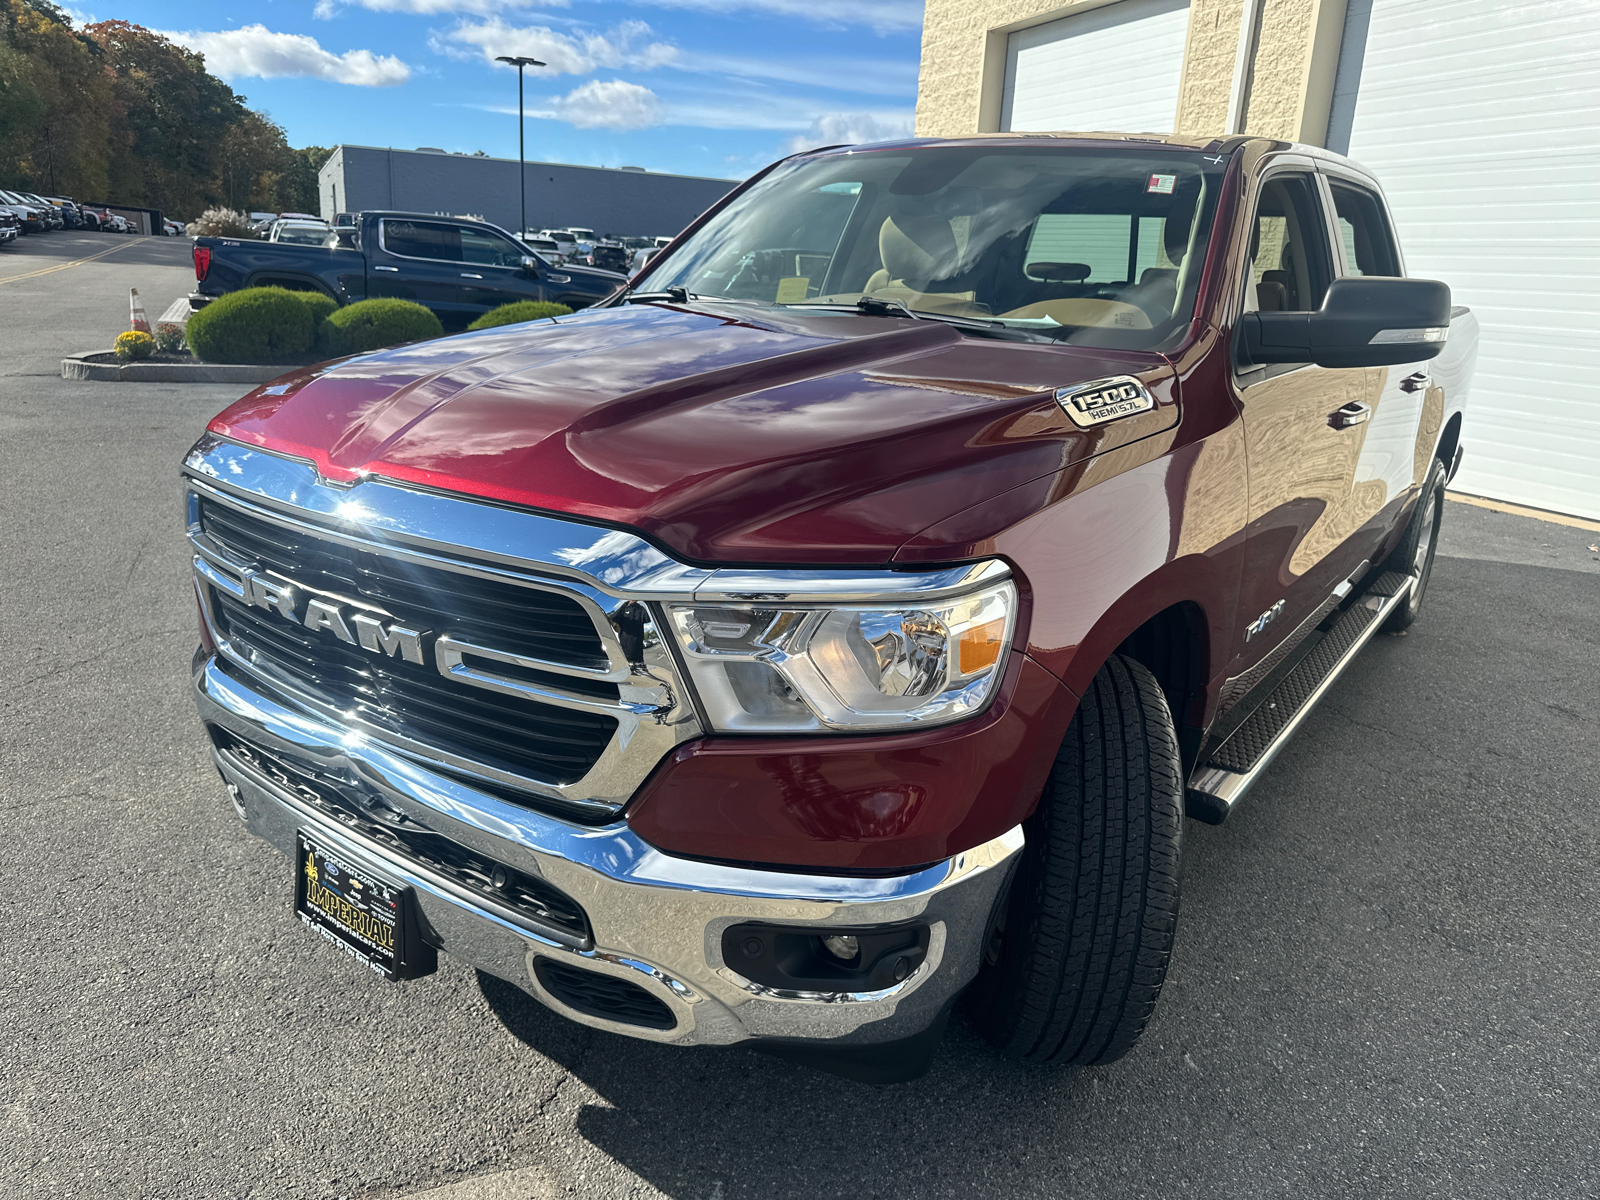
(1231, 767)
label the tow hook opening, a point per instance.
(802, 959)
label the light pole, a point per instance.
(522, 171)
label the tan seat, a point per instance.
(918, 252)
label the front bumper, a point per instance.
(657, 920)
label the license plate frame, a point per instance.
(360, 912)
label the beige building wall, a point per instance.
(1288, 81)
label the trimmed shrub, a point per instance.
(169, 337)
(256, 325)
(134, 344)
(220, 222)
(321, 304)
(518, 311)
(374, 324)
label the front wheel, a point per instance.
(1414, 555)
(1080, 946)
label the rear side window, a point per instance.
(423, 239)
(1363, 232)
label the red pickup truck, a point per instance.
(843, 619)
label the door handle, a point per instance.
(385, 268)
(1415, 383)
(1351, 414)
(470, 275)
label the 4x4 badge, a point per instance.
(1102, 400)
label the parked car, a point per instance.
(567, 243)
(71, 217)
(299, 232)
(547, 248)
(175, 228)
(53, 218)
(10, 227)
(610, 257)
(459, 269)
(45, 215)
(580, 234)
(31, 217)
(843, 618)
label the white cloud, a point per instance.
(840, 129)
(613, 104)
(563, 54)
(256, 52)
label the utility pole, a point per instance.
(522, 171)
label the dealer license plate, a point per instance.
(369, 918)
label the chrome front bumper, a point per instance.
(657, 920)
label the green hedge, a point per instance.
(255, 325)
(321, 304)
(374, 324)
(518, 311)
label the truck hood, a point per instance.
(728, 433)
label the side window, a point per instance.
(1368, 246)
(489, 249)
(423, 239)
(1289, 247)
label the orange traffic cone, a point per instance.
(136, 317)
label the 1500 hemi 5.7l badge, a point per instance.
(1102, 400)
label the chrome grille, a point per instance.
(480, 641)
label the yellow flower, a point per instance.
(134, 344)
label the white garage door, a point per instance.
(1482, 120)
(1113, 68)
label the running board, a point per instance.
(1231, 767)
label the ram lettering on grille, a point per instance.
(358, 629)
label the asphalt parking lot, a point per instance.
(1385, 983)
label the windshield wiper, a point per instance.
(672, 295)
(881, 306)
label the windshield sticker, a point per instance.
(792, 290)
(1162, 184)
(1095, 403)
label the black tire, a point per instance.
(1414, 554)
(1081, 943)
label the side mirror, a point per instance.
(1366, 321)
(530, 265)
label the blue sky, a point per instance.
(703, 87)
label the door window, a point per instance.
(1289, 247)
(423, 239)
(488, 249)
(1363, 232)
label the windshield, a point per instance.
(1087, 246)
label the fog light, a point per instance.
(844, 947)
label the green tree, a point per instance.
(21, 110)
(172, 118)
(72, 136)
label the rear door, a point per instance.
(421, 260)
(1405, 419)
(1311, 512)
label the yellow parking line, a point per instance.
(61, 266)
(1518, 510)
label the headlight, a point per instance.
(764, 669)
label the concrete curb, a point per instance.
(77, 366)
